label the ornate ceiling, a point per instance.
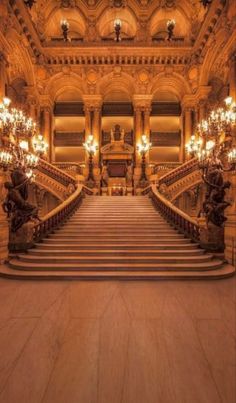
(143, 62)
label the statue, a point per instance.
(105, 176)
(214, 204)
(129, 175)
(15, 204)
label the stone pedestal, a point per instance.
(4, 227)
(211, 236)
(22, 239)
(230, 224)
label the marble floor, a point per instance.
(117, 342)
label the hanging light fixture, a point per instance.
(16, 132)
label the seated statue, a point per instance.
(15, 204)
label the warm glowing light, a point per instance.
(24, 145)
(144, 146)
(90, 145)
(117, 23)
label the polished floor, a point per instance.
(117, 342)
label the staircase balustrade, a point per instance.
(184, 223)
(57, 174)
(57, 217)
(69, 167)
(179, 172)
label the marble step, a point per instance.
(102, 242)
(20, 273)
(106, 237)
(114, 252)
(95, 260)
(103, 267)
(47, 244)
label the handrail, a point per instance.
(69, 166)
(184, 223)
(179, 172)
(57, 174)
(57, 216)
(160, 167)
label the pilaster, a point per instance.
(4, 226)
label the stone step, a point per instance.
(26, 273)
(48, 244)
(80, 237)
(40, 251)
(95, 260)
(103, 267)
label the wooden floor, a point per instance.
(112, 342)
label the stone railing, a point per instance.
(60, 214)
(176, 217)
(163, 167)
(54, 180)
(56, 217)
(180, 179)
(71, 168)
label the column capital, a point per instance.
(45, 102)
(92, 101)
(142, 101)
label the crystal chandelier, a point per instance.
(16, 132)
(194, 146)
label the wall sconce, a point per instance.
(170, 29)
(117, 26)
(65, 29)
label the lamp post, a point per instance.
(143, 148)
(65, 29)
(39, 145)
(117, 26)
(91, 147)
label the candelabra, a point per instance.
(65, 29)
(143, 148)
(170, 29)
(91, 147)
(117, 26)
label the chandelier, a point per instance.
(214, 132)
(16, 133)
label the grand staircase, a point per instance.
(116, 238)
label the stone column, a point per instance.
(46, 129)
(202, 111)
(96, 131)
(138, 129)
(188, 126)
(147, 112)
(230, 224)
(4, 227)
(232, 77)
(87, 127)
(2, 75)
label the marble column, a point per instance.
(202, 110)
(46, 131)
(147, 112)
(4, 227)
(96, 131)
(232, 77)
(2, 75)
(188, 125)
(138, 119)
